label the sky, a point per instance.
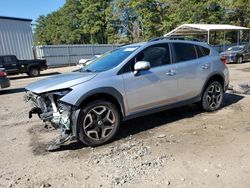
(31, 9)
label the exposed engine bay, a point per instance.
(52, 111)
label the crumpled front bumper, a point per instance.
(49, 110)
(60, 115)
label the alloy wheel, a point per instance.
(99, 122)
(214, 96)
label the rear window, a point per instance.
(9, 59)
(202, 51)
(184, 52)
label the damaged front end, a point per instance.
(53, 112)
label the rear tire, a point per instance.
(212, 96)
(98, 123)
(34, 71)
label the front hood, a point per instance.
(62, 81)
(230, 52)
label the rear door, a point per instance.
(10, 64)
(192, 67)
(154, 87)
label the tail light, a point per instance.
(223, 59)
(3, 73)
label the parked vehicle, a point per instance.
(128, 82)
(14, 66)
(237, 54)
(4, 81)
(83, 62)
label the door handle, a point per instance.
(205, 66)
(171, 73)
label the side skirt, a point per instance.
(162, 108)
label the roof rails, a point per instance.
(174, 38)
(159, 38)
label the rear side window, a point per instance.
(202, 51)
(205, 50)
(184, 52)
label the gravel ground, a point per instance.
(183, 147)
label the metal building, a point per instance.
(16, 37)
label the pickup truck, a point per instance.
(12, 65)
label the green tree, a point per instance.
(127, 21)
(94, 20)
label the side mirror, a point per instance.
(141, 65)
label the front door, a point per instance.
(154, 87)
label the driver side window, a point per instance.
(156, 55)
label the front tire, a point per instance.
(212, 96)
(98, 123)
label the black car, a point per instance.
(12, 65)
(237, 54)
(4, 81)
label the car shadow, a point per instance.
(145, 123)
(132, 127)
(16, 77)
(11, 91)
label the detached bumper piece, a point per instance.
(64, 137)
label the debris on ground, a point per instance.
(45, 185)
(135, 159)
(243, 88)
(161, 136)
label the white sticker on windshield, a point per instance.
(130, 49)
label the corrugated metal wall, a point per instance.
(57, 55)
(16, 38)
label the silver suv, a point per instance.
(131, 81)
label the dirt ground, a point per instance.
(183, 147)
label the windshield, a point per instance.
(109, 60)
(235, 48)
